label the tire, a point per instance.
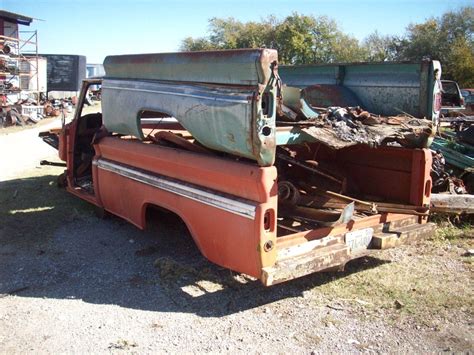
(62, 180)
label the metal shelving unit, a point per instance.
(18, 61)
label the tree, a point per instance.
(196, 44)
(347, 49)
(422, 41)
(299, 39)
(302, 39)
(295, 39)
(461, 62)
(449, 39)
(379, 48)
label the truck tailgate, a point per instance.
(299, 254)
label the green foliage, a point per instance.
(198, 44)
(449, 39)
(299, 39)
(379, 48)
(461, 62)
(302, 39)
(422, 40)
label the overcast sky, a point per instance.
(96, 28)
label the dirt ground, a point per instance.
(72, 283)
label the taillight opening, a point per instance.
(269, 221)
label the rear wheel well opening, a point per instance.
(163, 223)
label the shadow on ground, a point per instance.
(52, 246)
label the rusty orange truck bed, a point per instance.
(259, 195)
(231, 208)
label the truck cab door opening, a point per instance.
(88, 122)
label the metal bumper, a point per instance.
(332, 252)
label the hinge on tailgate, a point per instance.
(276, 78)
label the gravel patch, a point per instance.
(72, 283)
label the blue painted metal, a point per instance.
(293, 135)
(381, 88)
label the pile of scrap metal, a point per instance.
(252, 115)
(453, 166)
(27, 111)
(339, 127)
(321, 194)
(443, 180)
(453, 155)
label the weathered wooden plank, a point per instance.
(448, 203)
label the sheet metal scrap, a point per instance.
(295, 105)
(296, 206)
(225, 99)
(340, 127)
(354, 125)
(442, 179)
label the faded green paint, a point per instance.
(232, 67)
(216, 96)
(457, 155)
(381, 88)
(294, 135)
(294, 99)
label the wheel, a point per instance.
(62, 180)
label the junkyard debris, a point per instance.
(448, 203)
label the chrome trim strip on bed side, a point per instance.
(162, 92)
(230, 204)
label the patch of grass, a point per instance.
(422, 282)
(33, 207)
(451, 232)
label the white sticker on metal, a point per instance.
(359, 239)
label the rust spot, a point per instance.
(267, 55)
(231, 137)
(325, 95)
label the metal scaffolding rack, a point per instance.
(19, 63)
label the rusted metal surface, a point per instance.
(339, 127)
(308, 167)
(319, 216)
(373, 207)
(230, 67)
(324, 95)
(225, 99)
(334, 252)
(381, 88)
(317, 260)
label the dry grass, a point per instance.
(427, 281)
